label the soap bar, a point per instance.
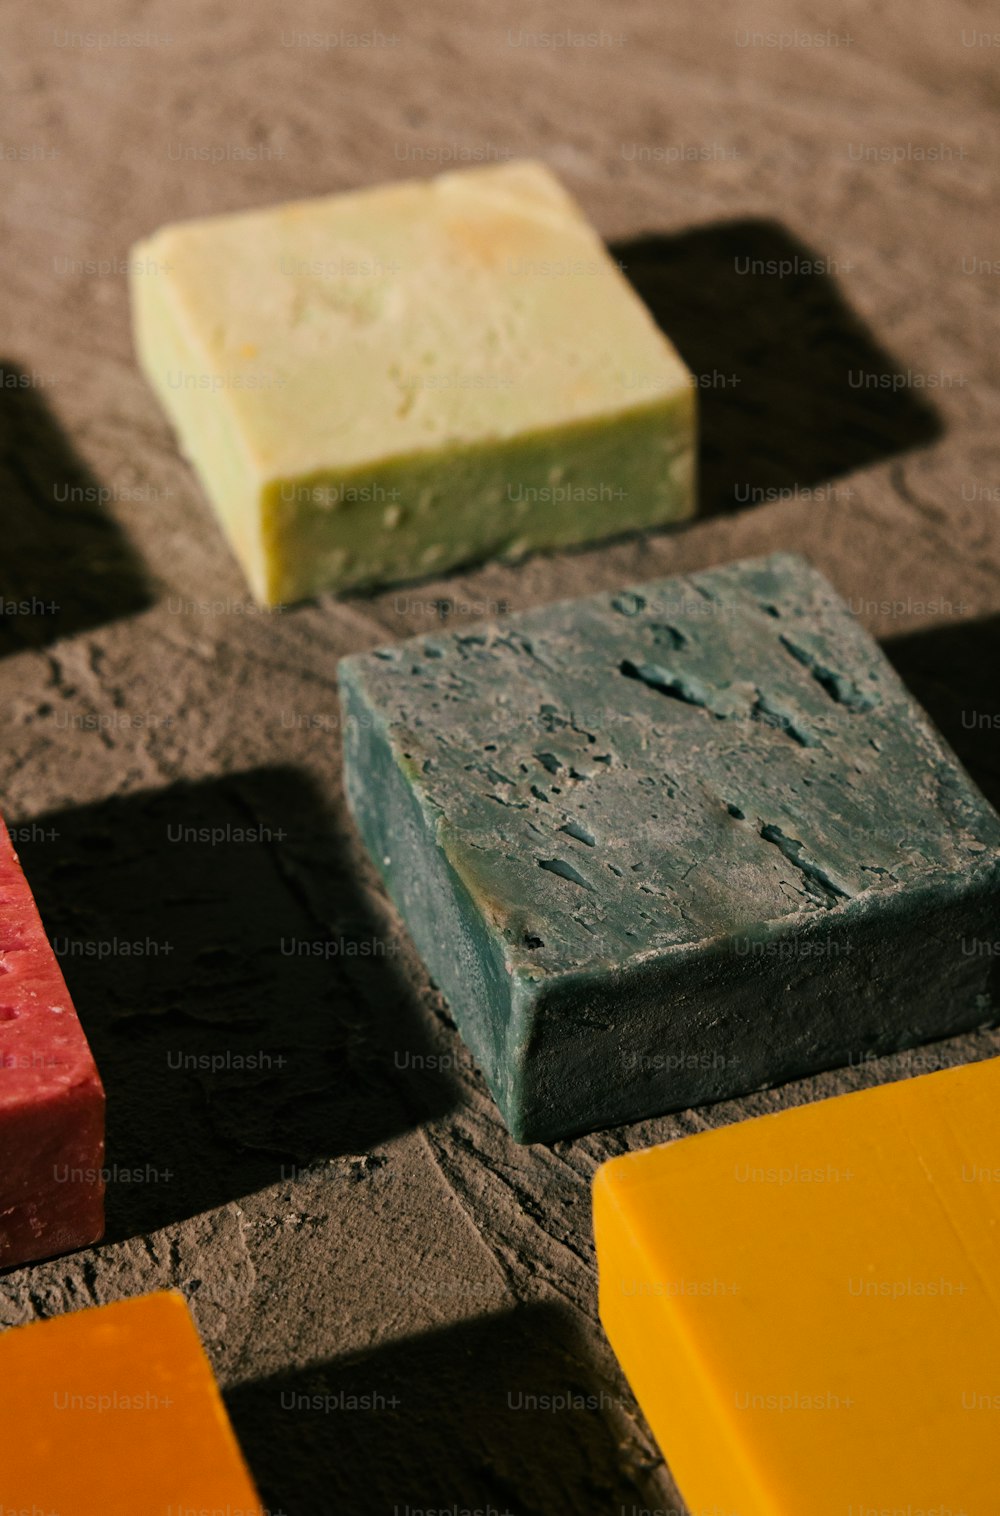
(51, 1097)
(806, 1304)
(383, 384)
(669, 845)
(115, 1410)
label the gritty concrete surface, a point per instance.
(399, 1301)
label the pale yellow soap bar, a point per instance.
(379, 385)
(807, 1305)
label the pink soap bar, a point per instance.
(51, 1096)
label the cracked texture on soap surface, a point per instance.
(622, 787)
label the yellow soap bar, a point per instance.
(384, 384)
(807, 1305)
(115, 1412)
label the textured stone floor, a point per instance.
(399, 1301)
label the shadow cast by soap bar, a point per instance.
(242, 1007)
(794, 390)
(65, 566)
(952, 671)
(503, 1414)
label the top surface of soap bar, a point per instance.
(43, 1049)
(475, 306)
(832, 1271)
(638, 772)
(115, 1410)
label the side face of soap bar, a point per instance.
(115, 1410)
(806, 1304)
(670, 845)
(51, 1097)
(379, 385)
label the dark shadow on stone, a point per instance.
(230, 1054)
(462, 1432)
(65, 566)
(952, 671)
(794, 389)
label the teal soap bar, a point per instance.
(673, 844)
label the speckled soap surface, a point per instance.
(415, 375)
(667, 845)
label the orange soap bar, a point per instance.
(115, 1412)
(807, 1305)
